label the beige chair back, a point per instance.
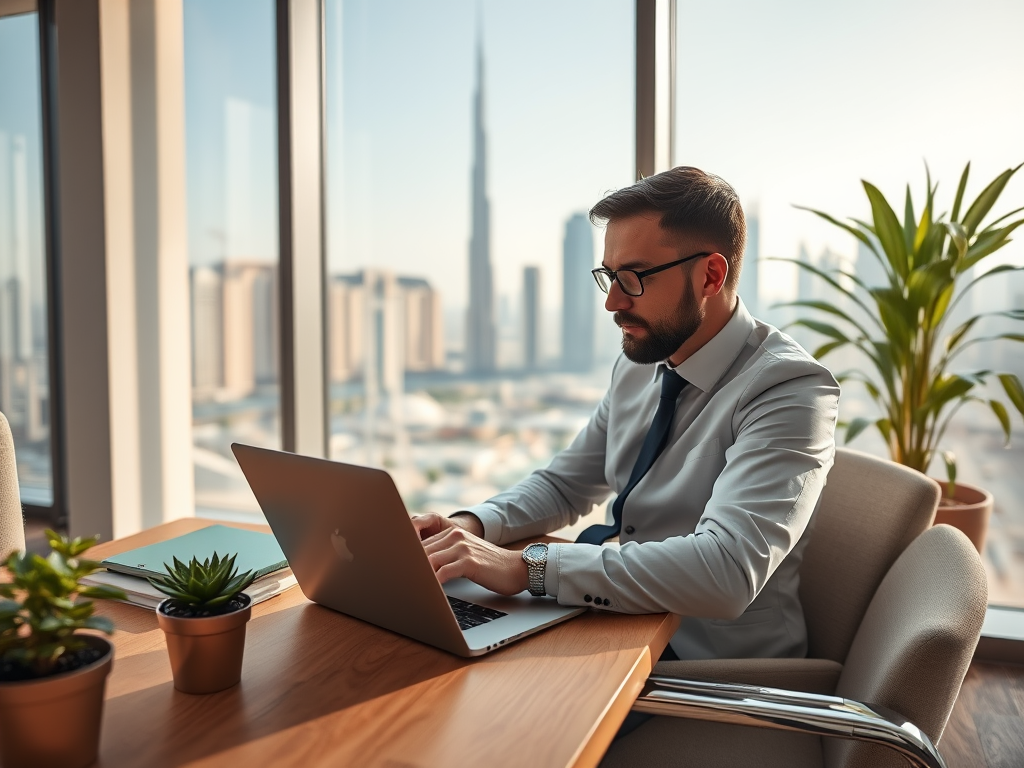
(871, 509)
(12, 523)
(916, 641)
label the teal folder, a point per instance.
(257, 552)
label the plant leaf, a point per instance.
(909, 223)
(823, 328)
(1004, 417)
(984, 202)
(1013, 389)
(855, 427)
(961, 188)
(887, 227)
(103, 592)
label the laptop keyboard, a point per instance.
(471, 615)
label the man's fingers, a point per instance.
(448, 572)
(429, 525)
(445, 538)
(443, 552)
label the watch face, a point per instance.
(535, 551)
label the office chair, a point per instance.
(12, 524)
(893, 618)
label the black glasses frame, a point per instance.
(613, 275)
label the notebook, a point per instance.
(256, 552)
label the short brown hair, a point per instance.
(691, 202)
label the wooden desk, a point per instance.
(320, 688)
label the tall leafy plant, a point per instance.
(903, 327)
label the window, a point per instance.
(231, 138)
(24, 334)
(796, 102)
(465, 145)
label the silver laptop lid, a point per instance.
(348, 540)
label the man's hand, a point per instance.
(433, 523)
(455, 552)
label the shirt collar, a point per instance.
(708, 364)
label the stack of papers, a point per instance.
(141, 592)
(256, 552)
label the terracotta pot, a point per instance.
(54, 722)
(206, 653)
(970, 513)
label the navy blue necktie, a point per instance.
(671, 385)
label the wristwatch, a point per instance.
(536, 558)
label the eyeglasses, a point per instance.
(630, 281)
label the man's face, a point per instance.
(656, 324)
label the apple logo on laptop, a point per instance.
(341, 546)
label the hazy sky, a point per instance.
(792, 102)
(795, 101)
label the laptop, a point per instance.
(351, 544)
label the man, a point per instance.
(717, 432)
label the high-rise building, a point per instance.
(234, 328)
(481, 334)
(749, 286)
(265, 326)
(423, 325)
(382, 325)
(579, 295)
(207, 330)
(347, 326)
(531, 318)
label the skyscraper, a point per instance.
(207, 331)
(579, 295)
(531, 317)
(750, 286)
(397, 321)
(481, 335)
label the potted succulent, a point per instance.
(204, 618)
(905, 330)
(52, 678)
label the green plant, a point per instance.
(901, 326)
(43, 604)
(210, 584)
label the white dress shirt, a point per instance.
(714, 532)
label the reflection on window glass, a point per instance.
(231, 140)
(810, 99)
(464, 146)
(24, 362)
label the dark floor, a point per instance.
(986, 729)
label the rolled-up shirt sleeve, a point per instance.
(760, 505)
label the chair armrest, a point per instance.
(811, 675)
(790, 711)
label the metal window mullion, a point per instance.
(48, 102)
(302, 269)
(655, 85)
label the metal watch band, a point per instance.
(536, 558)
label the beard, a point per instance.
(662, 338)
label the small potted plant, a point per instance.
(52, 679)
(204, 618)
(905, 333)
